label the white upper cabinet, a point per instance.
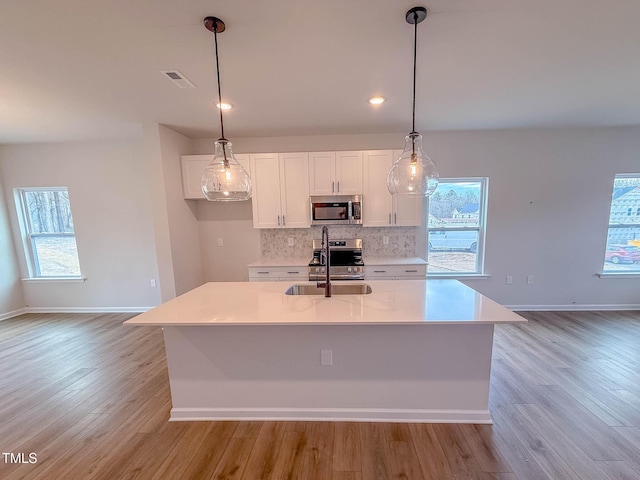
(294, 190)
(192, 169)
(380, 208)
(407, 210)
(335, 173)
(265, 187)
(280, 190)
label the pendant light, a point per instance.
(224, 179)
(413, 173)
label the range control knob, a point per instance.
(349, 269)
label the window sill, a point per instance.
(55, 280)
(459, 276)
(618, 275)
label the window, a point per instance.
(49, 236)
(455, 228)
(622, 254)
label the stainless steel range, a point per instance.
(345, 260)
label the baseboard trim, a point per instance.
(14, 313)
(86, 309)
(331, 415)
(572, 307)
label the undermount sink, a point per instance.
(336, 289)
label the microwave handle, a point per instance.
(350, 211)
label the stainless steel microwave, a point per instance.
(336, 210)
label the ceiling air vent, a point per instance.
(178, 79)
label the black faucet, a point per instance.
(325, 251)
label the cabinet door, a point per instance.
(322, 173)
(407, 210)
(377, 201)
(348, 173)
(244, 159)
(265, 181)
(192, 169)
(294, 190)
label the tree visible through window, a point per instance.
(623, 240)
(455, 229)
(50, 236)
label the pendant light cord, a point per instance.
(415, 48)
(224, 146)
(413, 116)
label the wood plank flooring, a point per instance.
(91, 399)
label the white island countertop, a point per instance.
(392, 302)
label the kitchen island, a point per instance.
(410, 351)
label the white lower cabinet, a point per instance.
(380, 208)
(278, 274)
(280, 190)
(395, 272)
(192, 169)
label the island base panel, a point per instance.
(404, 373)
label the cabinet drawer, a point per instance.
(268, 274)
(273, 274)
(392, 271)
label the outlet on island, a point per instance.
(326, 358)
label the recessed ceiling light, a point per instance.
(224, 106)
(377, 100)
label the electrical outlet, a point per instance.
(529, 279)
(290, 241)
(509, 280)
(326, 358)
(152, 282)
(385, 240)
(220, 242)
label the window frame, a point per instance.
(481, 228)
(628, 213)
(29, 238)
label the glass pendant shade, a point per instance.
(413, 173)
(224, 179)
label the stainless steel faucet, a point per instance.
(326, 253)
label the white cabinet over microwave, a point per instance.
(335, 173)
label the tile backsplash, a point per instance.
(402, 241)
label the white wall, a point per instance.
(549, 198)
(188, 271)
(11, 298)
(108, 189)
(233, 222)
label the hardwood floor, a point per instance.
(91, 399)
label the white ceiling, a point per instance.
(89, 69)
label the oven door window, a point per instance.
(322, 211)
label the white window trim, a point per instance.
(618, 273)
(24, 222)
(481, 229)
(55, 280)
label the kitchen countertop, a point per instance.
(303, 262)
(393, 302)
